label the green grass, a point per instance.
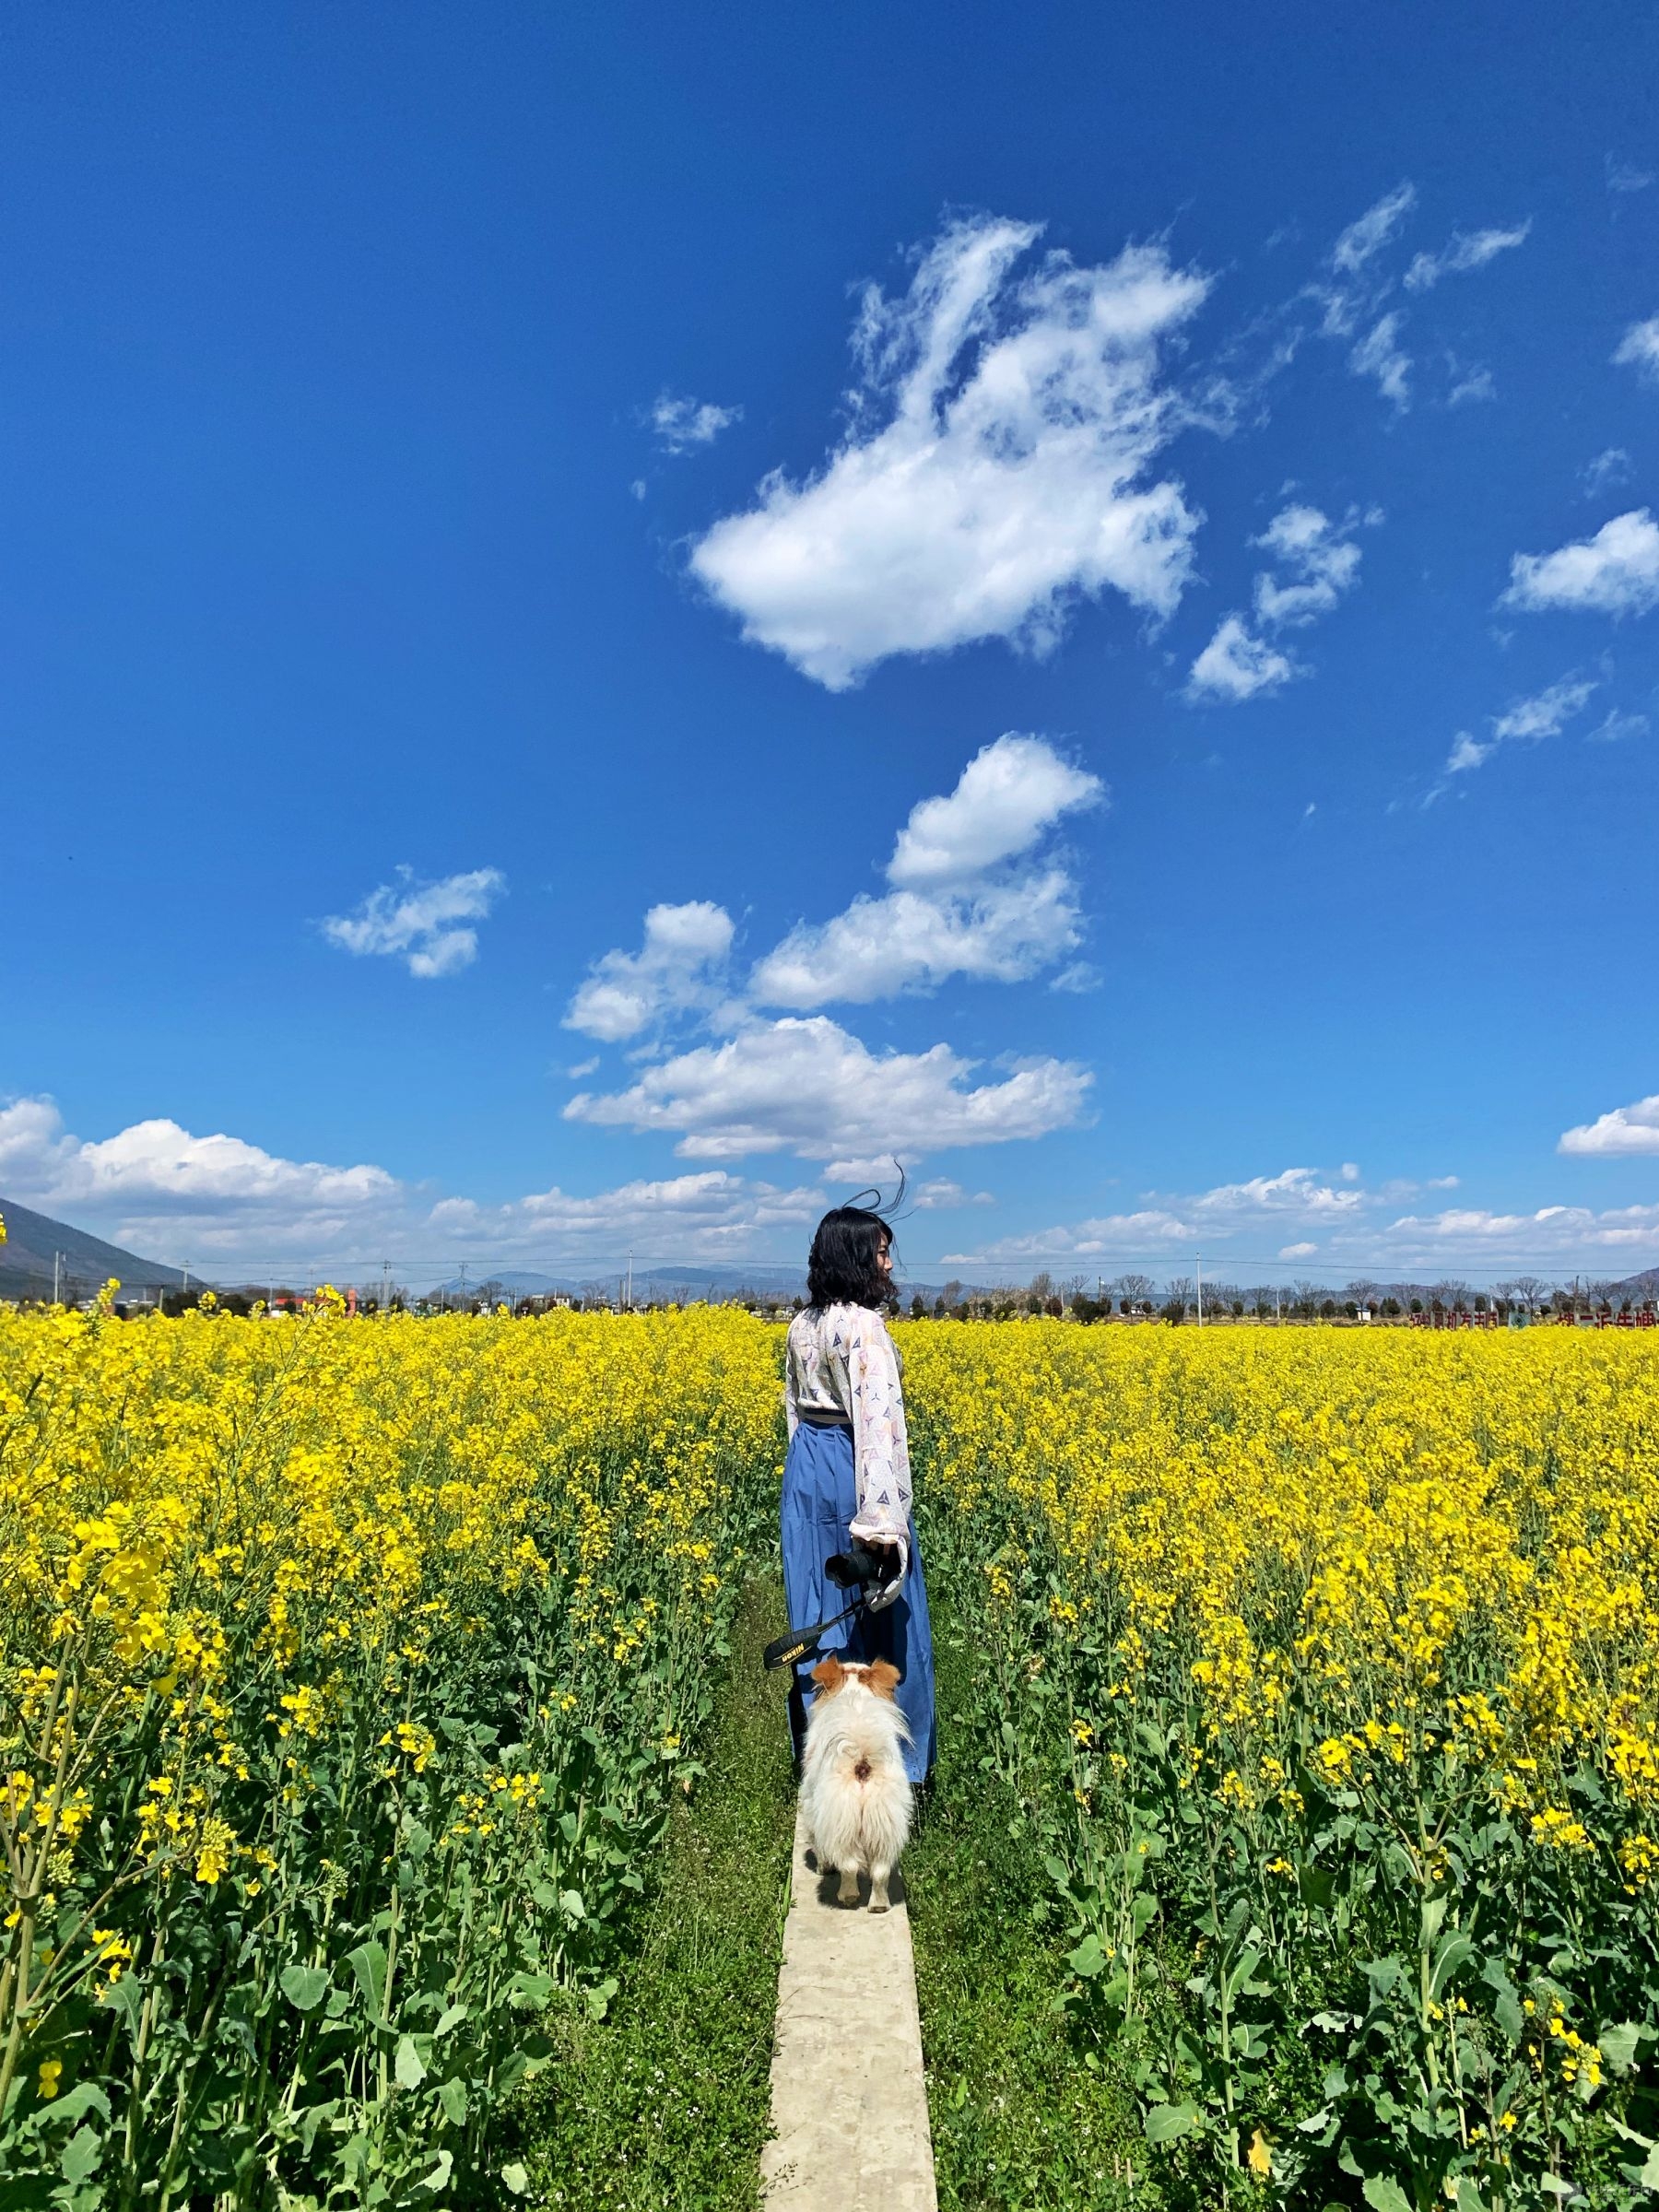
(1019, 2119)
(667, 2103)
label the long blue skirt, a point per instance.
(820, 1497)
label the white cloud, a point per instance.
(1373, 230)
(941, 1195)
(1301, 1197)
(1468, 752)
(1235, 665)
(156, 1180)
(1615, 573)
(1615, 728)
(1624, 1132)
(968, 899)
(994, 471)
(225, 1205)
(681, 425)
(1008, 796)
(1379, 354)
(1470, 385)
(1318, 562)
(1296, 1252)
(1544, 714)
(807, 1086)
(1554, 1233)
(708, 1215)
(1547, 713)
(422, 923)
(677, 968)
(1322, 560)
(994, 933)
(1638, 349)
(1608, 470)
(1464, 250)
(1624, 176)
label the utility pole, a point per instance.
(628, 1296)
(1200, 1259)
(1276, 1306)
(385, 1283)
(56, 1270)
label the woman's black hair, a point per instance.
(841, 1269)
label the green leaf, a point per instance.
(572, 1902)
(1454, 1955)
(418, 1841)
(1649, 2176)
(1383, 2194)
(1089, 1959)
(1619, 2045)
(408, 2067)
(85, 2096)
(439, 2177)
(81, 2154)
(305, 1986)
(515, 2178)
(1165, 2121)
(1468, 2196)
(368, 1964)
(1317, 1885)
(452, 2096)
(452, 2016)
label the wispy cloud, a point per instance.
(1638, 349)
(1370, 232)
(1544, 714)
(996, 467)
(1380, 355)
(427, 925)
(1464, 250)
(1317, 563)
(1609, 470)
(1625, 176)
(682, 425)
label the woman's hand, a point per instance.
(893, 1564)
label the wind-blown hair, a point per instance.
(842, 1268)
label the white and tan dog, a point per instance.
(853, 1789)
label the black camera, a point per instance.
(858, 1567)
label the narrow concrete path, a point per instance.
(849, 2099)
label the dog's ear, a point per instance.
(883, 1677)
(830, 1674)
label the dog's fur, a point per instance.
(853, 1789)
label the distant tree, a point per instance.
(1136, 1291)
(1054, 1307)
(1416, 1305)
(1180, 1287)
(1453, 1295)
(1174, 1311)
(1391, 1309)
(1327, 1309)
(918, 1307)
(1305, 1298)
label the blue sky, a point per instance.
(616, 615)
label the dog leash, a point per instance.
(785, 1650)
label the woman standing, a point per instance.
(848, 1471)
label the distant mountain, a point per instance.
(653, 1285)
(25, 1259)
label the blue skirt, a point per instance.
(820, 1497)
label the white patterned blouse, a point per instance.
(841, 1361)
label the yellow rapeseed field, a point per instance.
(347, 1669)
(1327, 1663)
